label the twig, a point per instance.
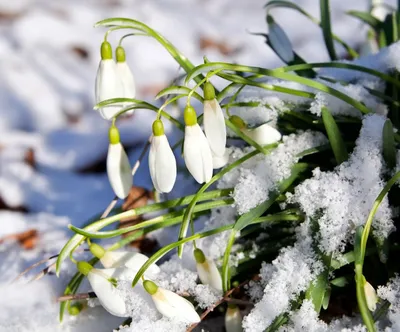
(33, 266)
(109, 208)
(216, 304)
(43, 272)
(142, 154)
(80, 296)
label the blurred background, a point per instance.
(53, 144)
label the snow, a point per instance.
(49, 53)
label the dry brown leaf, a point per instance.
(27, 239)
(220, 46)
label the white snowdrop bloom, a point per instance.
(108, 84)
(379, 10)
(125, 75)
(105, 291)
(130, 259)
(370, 295)
(171, 305)
(233, 319)
(219, 162)
(207, 270)
(263, 135)
(279, 41)
(214, 121)
(162, 163)
(196, 150)
(118, 166)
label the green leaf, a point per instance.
(340, 282)
(292, 5)
(335, 137)
(367, 18)
(277, 73)
(327, 296)
(389, 145)
(326, 28)
(178, 90)
(99, 224)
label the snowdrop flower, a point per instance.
(130, 259)
(162, 161)
(370, 295)
(171, 305)
(219, 162)
(101, 282)
(108, 83)
(125, 75)
(379, 10)
(279, 41)
(196, 151)
(214, 121)
(263, 135)
(233, 319)
(118, 166)
(207, 270)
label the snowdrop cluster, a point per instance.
(123, 265)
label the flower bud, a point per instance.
(171, 305)
(370, 295)
(263, 135)
(207, 270)
(162, 162)
(118, 166)
(233, 319)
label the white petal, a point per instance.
(370, 295)
(264, 134)
(209, 274)
(130, 259)
(119, 170)
(107, 294)
(280, 42)
(108, 86)
(197, 154)
(162, 164)
(219, 162)
(128, 82)
(233, 320)
(174, 306)
(214, 127)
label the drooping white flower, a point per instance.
(108, 84)
(196, 150)
(162, 163)
(207, 270)
(370, 295)
(100, 281)
(279, 41)
(118, 166)
(214, 121)
(263, 135)
(125, 75)
(171, 305)
(219, 162)
(380, 10)
(233, 319)
(130, 259)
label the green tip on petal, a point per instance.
(113, 135)
(75, 309)
(150, 287)
(270, 20)
(232, 306)
(97, 250)
(238, 121)
(209, 91)
(190, 116)
(158, 128)
(199, 256)
(106, 51)
(120, 54)
(84, 268)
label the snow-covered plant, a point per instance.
(299, 161)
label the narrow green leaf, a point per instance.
(340, 282)
(326, 28)
(367, 18)
(178, 90)
(99, 224)
(327, 296)
(389, 145)
(335, 137)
